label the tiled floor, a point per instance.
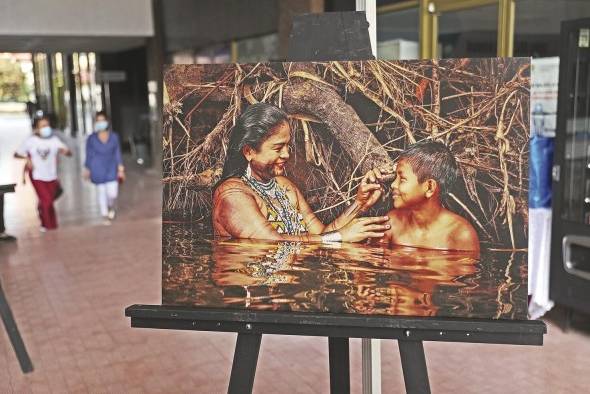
(68, 290)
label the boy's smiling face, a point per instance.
(407, 190)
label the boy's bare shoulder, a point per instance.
(460, 230)
(458, 220)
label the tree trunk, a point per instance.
(324, 103)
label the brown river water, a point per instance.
(344, 278)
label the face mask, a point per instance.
(101, 125)
(45, 132)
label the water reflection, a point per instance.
(347, 278)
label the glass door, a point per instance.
(576, 163)
(466, 28)
(468, 32)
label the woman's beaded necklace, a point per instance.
(270, 191)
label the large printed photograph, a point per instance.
(375, 187)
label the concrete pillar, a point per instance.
(155, 67)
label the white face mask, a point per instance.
(101, 125)
(45, 132)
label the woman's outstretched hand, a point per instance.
(363, 228)
(372, 187)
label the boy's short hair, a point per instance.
(432, 160)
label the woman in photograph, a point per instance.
(41, 151)
(255, 200)
(104, 165)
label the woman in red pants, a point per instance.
(41, 150)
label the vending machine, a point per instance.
(570, 240)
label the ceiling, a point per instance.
(69, 44)
(74, 25)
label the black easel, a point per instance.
(330, 36)
(244, 364)
(410, 332)
(8, 319)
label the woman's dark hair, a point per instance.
(252, 128)
(39, 118)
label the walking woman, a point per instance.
(256, 200)
(104, 165)
(41, 151)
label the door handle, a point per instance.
(555, 172)
(580, 269)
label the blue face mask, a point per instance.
(45, 132)
(101, 125)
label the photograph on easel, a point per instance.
(374, 187)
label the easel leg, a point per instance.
(14, 335)
(414, 367)
(244, 365)
(339, 365)
(569, 313)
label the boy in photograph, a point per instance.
(424, 174)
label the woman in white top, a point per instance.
(41, 150)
